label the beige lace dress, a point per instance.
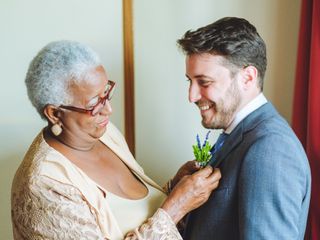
(53, 199)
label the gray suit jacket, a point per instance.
(264, 192)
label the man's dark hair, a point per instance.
(233, 38)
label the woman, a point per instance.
(78, 179)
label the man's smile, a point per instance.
(204, 106)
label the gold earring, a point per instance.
(56, 129)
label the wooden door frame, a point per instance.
(128, 51)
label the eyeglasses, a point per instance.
(93, 111)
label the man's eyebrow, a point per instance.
(203, 76)
(200, 76)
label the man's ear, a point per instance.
(52, 113)
(249, 77)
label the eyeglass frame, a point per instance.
(101, 100)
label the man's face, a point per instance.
(214, 89)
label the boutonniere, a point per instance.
(202, 151)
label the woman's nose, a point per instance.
(106, 109)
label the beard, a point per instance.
(224, 109)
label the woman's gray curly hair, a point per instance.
(54, 68)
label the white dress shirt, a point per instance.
(253, 105)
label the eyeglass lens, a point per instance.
(102, 102)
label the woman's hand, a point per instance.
(191, 192)
(186, 169)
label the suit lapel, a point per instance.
(229, 144)
(248, 123)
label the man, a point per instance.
(264, 192)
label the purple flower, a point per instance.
(207, 137)
(198, 141)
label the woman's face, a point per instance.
(86, 95)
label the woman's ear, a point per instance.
(52, 113)
(249, 77)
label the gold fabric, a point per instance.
(53, 199)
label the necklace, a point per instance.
(68, 145)
(74, 148)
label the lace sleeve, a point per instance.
(49, 210)
(159, 227)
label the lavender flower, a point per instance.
(202, 153)
(207, 137)
(198, 141)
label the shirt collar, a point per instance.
(254, 104)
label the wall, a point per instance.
(26, 26)
(166, 124)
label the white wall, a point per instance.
(26, 26)
(166, 124)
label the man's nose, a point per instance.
(194, 93)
